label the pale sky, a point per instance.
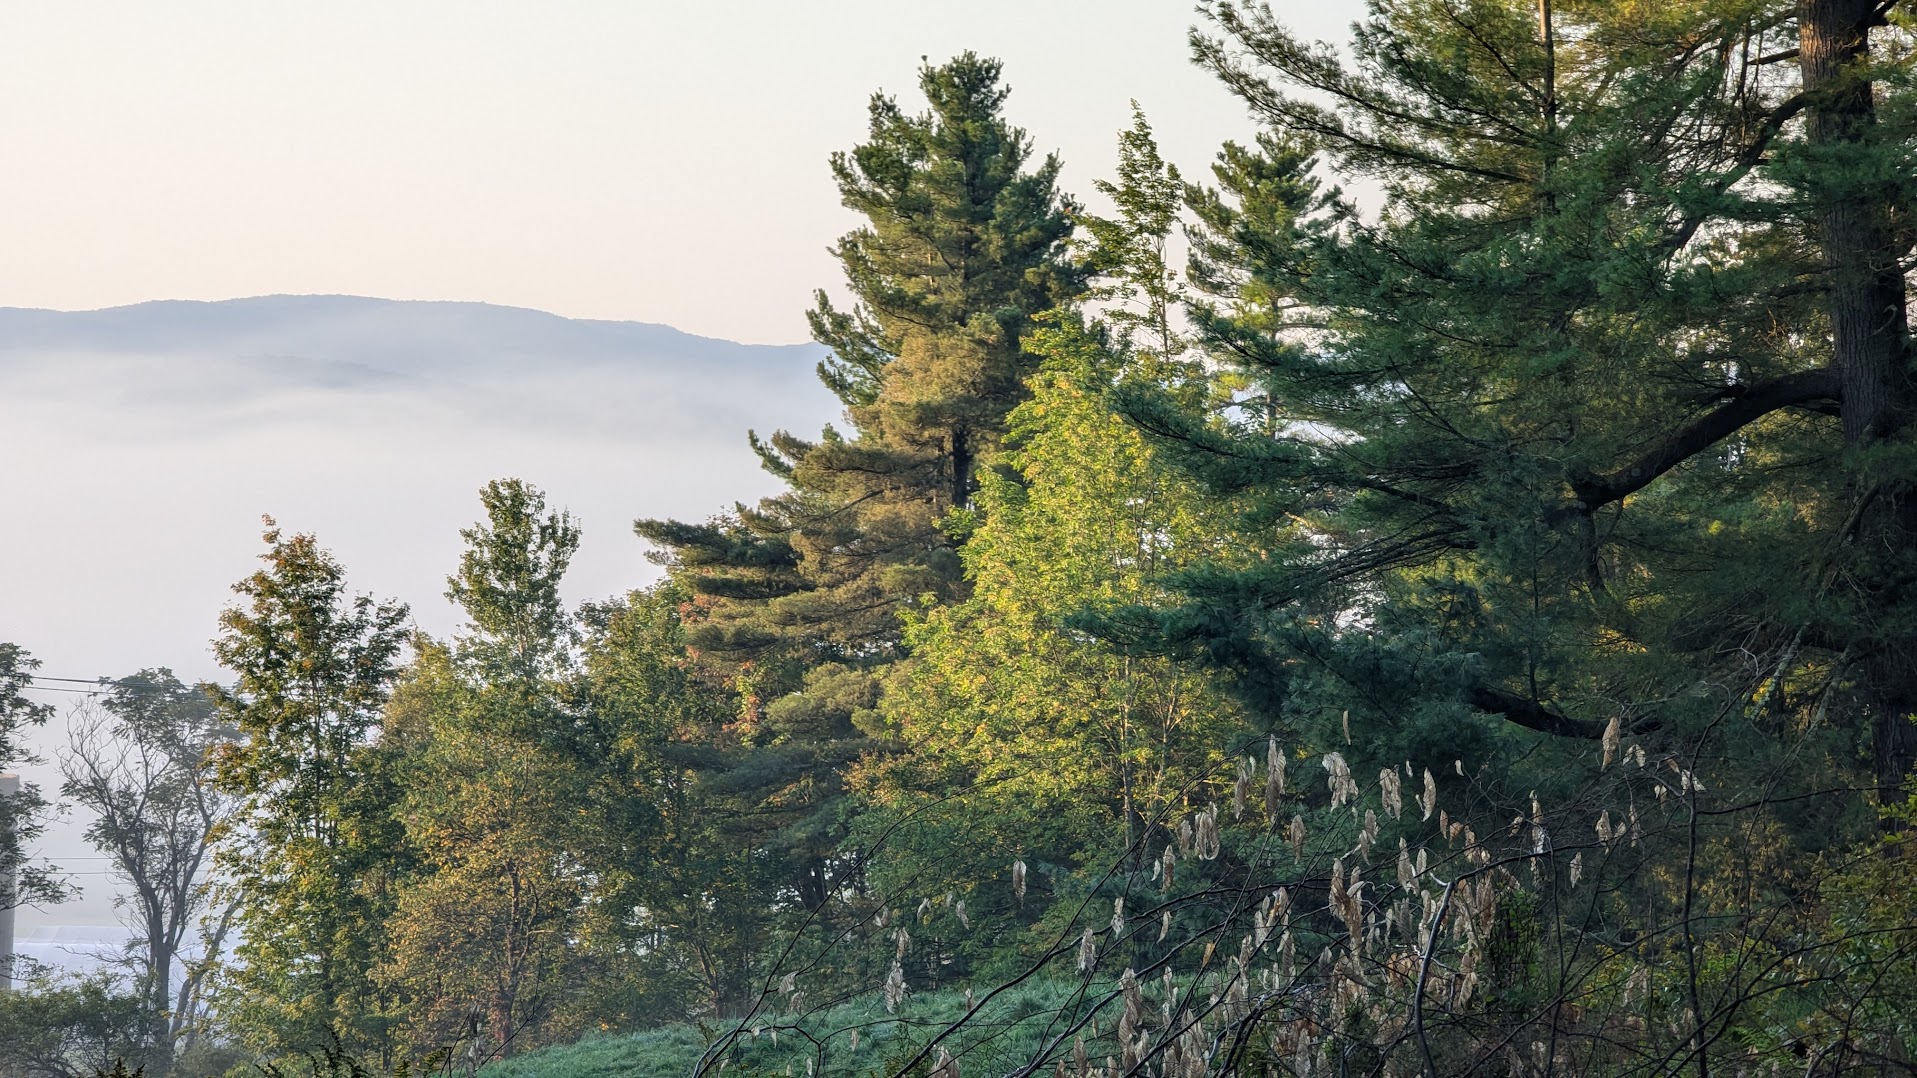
(642, 160)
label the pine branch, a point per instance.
(1748, 159)
(1530, 714)
(1746, 406)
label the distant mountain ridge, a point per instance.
(402, 336)
(206, 365)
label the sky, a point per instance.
(608, 159)
(620, 159)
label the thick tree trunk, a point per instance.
(1869, 343)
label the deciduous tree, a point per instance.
(23, 813)
(141, 762)
(313, 852)
(486, 933)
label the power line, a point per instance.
(100, 685)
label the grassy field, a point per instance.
(1003, 1034)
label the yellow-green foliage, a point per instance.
(1052, 745)
(1003, 691)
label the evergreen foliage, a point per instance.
(1561, 419)
(1021, 738)
(801, 595)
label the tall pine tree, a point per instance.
(962, 246)
(1602, 415)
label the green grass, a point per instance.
(1004, 1033)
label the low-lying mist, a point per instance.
(143, 444)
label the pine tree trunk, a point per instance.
(961, 468)
(1869, 341)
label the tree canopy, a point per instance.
(1431, 594)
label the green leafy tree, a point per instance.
(519, 635)
(686, 873)
(485, 934)
(312, 854)
(141, 763)
(1024, 739)
(24, 812)
(74, 1028)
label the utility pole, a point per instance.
(9, 887)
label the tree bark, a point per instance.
(1866, 302)
(161, 947)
